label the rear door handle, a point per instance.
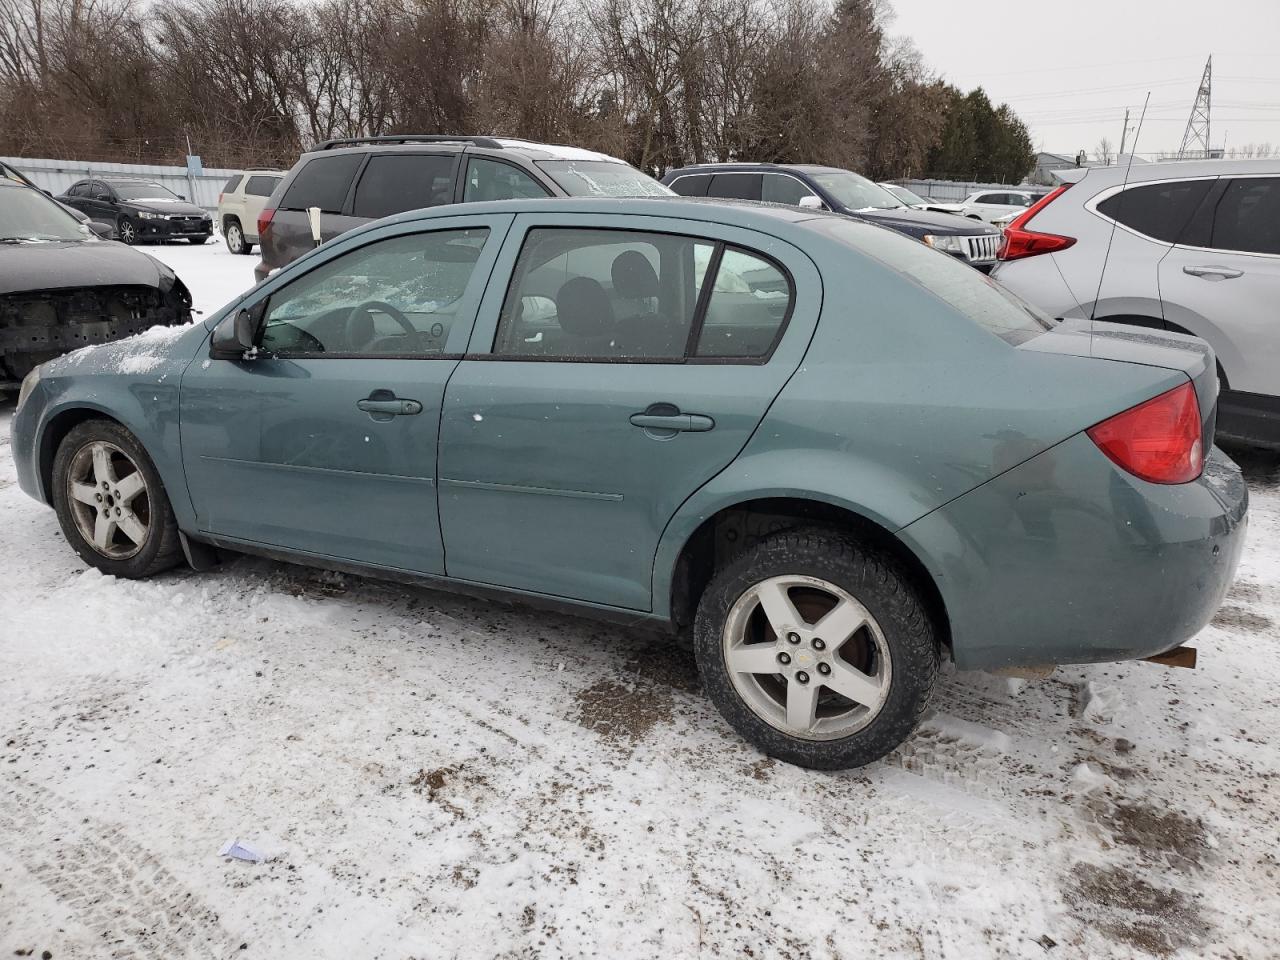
(1213, 273)
(686, 422)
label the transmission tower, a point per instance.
(1198, 125)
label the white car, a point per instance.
(239, 204)
(917, 202)
(992, 205)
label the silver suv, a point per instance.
(1194, 248)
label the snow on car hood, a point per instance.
(61, 265)
(146, 352)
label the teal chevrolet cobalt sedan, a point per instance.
(834, 455)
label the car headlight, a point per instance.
(947, 244)
(28, 384)
(147, 215)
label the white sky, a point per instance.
(1070, 68)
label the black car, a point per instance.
(139, 210)
(830, 188)
(61, 287)
(353, 181)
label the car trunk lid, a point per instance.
(1140, 345)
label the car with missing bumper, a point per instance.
(806, 439)
(61, 287)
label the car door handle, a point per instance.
(389, 407)
(687, 422)
(1213, 273)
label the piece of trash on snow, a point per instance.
(241, 851)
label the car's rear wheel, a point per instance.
(111, 503)
(234, 234)
(126, 231)
(816, 649)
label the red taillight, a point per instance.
(1020, 242)
(220, 196)
(1158, 440)
(264, 220)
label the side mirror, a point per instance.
(102, 196)
(104, 230)
(812, 203)
(234, 336)
(182, 196)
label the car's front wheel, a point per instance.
(817, 649)
(111, 504)
(126, 231)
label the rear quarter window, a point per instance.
(1157, 210)
(971, 293)
(322, 182)
(230, 185)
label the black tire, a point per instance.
(161, 548)
(126, 231)
(234, 234)
(874, 580)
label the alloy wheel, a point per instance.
(235, 238)
(806, 657)
(109, 500)
(127, 233)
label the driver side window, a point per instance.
(391, 298)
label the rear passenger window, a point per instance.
(323, 182)
(230, 185)
(1248, 216)
(749, 303)
(736, 186)
(1157, 210)
(495, 180)
(693, 186)
(601, 295)
(261, 186)
(393, 183)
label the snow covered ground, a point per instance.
(433, 777)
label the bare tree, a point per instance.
(1104, 152)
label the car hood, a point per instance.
(84, 263)
(179, 208)
(923, 221)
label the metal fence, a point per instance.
(953, 191)
(57, 176)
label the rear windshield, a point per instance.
(602, 178)
(971, 292)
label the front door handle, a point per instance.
(382, 405)
(1213, 273)
(683, 422)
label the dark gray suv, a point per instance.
(354, 181)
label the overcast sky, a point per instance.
(1070, 67)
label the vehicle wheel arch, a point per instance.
(720, 535)
(55, 431)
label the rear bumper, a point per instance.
(1068, 559)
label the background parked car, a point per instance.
(354, 181)
(917, 202)
(139, 210)
(61, 287)
(991, 205)
(807, 438)
(843, 191)
(1194, 247)
(241, 203)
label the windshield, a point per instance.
(27, 214)
(602, 178)
(141, 191)
(906, 196)
(855, 192)
(970, 292)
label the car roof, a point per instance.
(1176, 169)
(498, 146)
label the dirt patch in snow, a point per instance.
(622, 712)
(1156, 919)
(1238, 618)
(1157, 832)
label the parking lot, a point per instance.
(426, 774)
